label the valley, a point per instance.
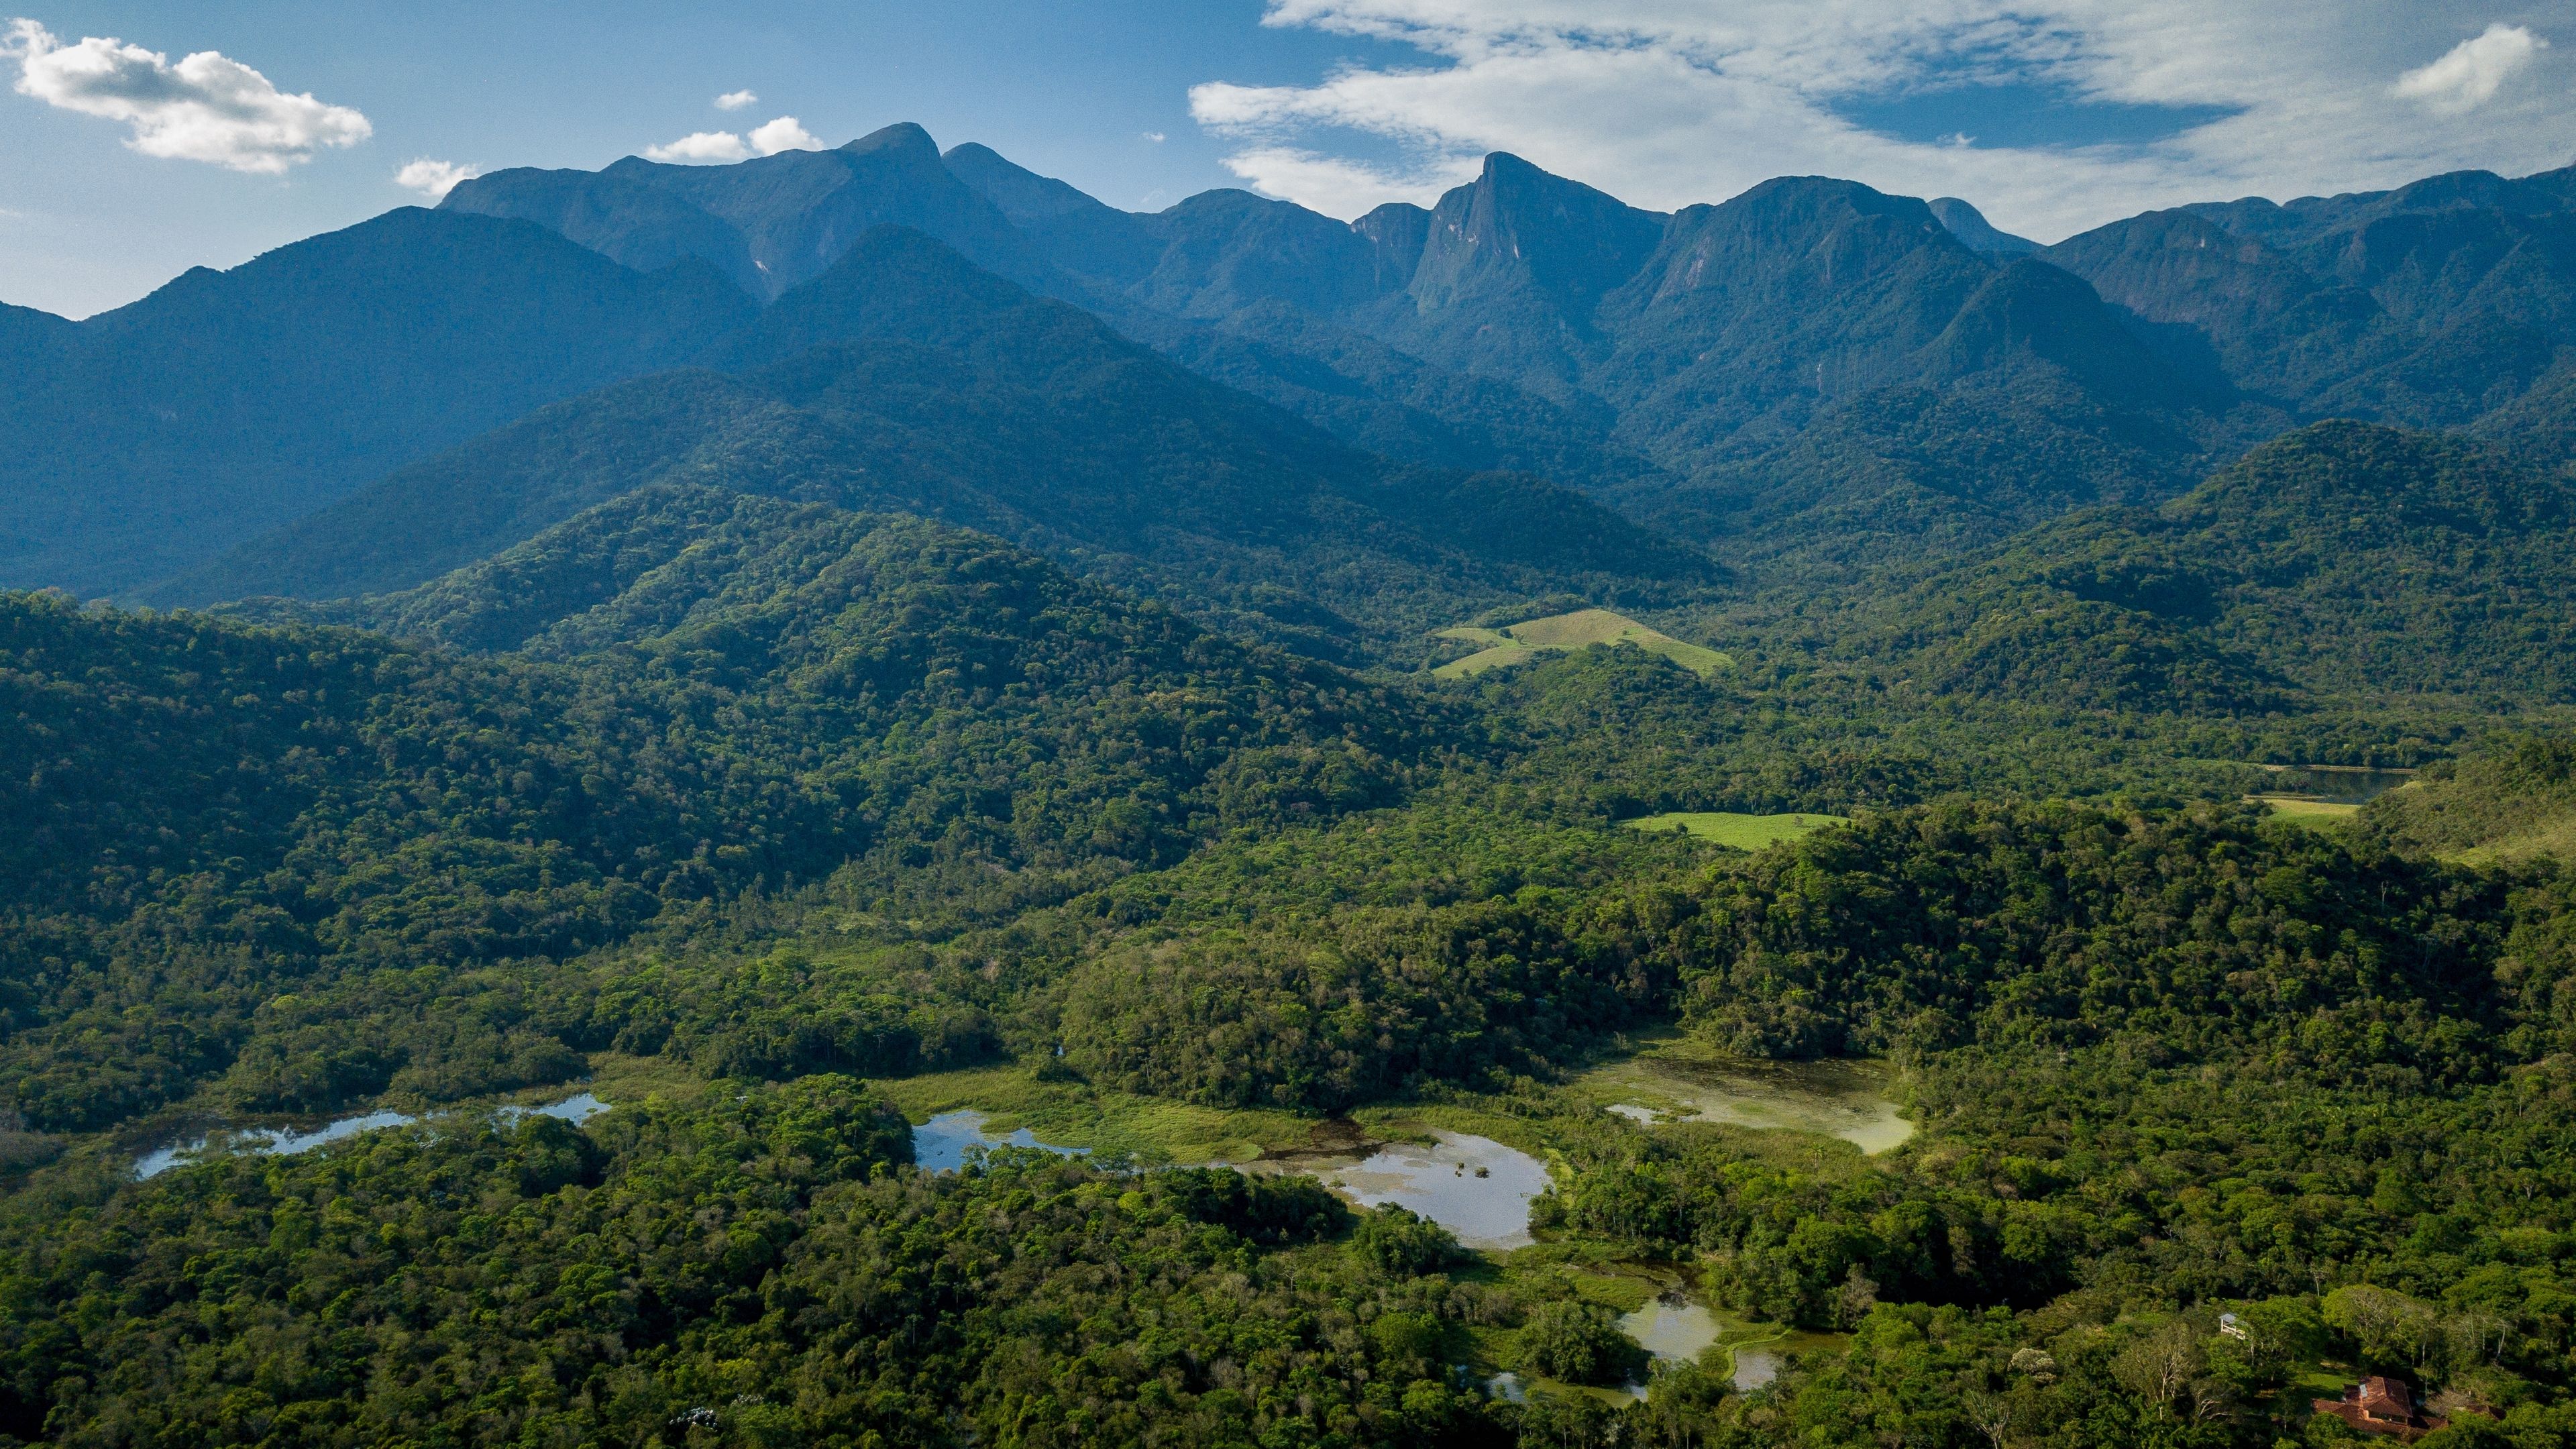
(852, 798)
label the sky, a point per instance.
(140, 139)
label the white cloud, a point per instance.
(735, 100)
(783, 134)
(207, 107)
(434, 179)
(1156, 137)
(2473, 71)
(708, 147)
(700, 148)
(1669, 102)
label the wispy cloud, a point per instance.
(736, 100)
(1669, 102)
(434, 179)
(1156, 137)
(712, 147)
(2473, 71)
(207, 107)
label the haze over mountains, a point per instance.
(1812, 372)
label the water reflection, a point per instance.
(286, 1141)
(2334, 784)
(1755, 1367)
(1677, 1330)
(1474, 1186)
(939, 1145)
(1673, 1328)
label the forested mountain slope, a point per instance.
(906, 378)
(2345, 561)
(2432, 305)
(151, 437)
(212, 810)
(2512, 799)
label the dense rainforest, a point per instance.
(1229, 698)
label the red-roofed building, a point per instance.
(2379, 1405)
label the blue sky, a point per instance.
(2053, 115)
(1073, 90)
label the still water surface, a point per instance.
(1474, 1186)
(939, 1145)
(286, 1141)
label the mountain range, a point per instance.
(1336, 429)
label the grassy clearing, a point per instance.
(1072, 1114)
(1814, 1116)
(1578, 630)
(625, 1081)
(1416, 1121)
(1742, 832)
(2305, 811)
(2556, 836)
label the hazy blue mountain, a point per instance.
(32, 339)
(768, 223)
(492, 491)
(1525, 322)
(2433, 304)
(906, 378)
(1692, 354)
(1511, 270)
(1970, 226)
(1209, 283)
(1081, 234)
(1812, 366)
(147, 438)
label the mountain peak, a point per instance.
(768, 223)
(902, 136)
(1521, 222)
(1023, 195)
(1970, 226)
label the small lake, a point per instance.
(1474, 1186)
(286, 1141)
(1832, 1099)
(939, 1145)
(2334, 784)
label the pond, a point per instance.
(939, 1145)
(1676, 1328)
(1672, 1327)
(286, 1141)
(1846, 1100)
(2334, 784)
(1474, 1186)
